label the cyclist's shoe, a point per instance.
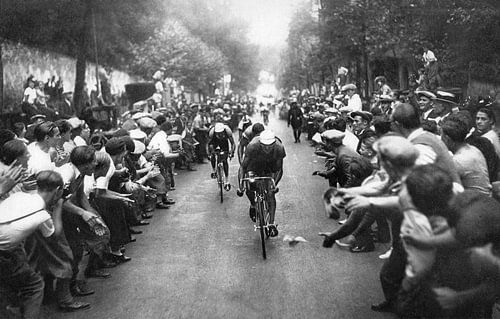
(273, 231)
(227, 187)
(252, 213)
(213, 175)
(239, 192)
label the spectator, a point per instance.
(469, 161)
(22, 215)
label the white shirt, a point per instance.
(159, 142)
(21, 214)
(31, 93)
(426, 154)
(68, 172)
(79, 141)
(419, 260)
(354, 104)
(102, 182)
(39, 160)
(351, 140)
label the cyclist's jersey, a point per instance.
(223, 142)
(263, 159)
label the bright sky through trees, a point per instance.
(269, 19)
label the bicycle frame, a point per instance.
(219, 171)
(262, 206)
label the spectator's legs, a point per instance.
(16, 275)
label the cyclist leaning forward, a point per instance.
(220, 135)
(264, 157)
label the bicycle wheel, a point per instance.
(260, 216)
(221, 184)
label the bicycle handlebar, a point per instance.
(260, 178)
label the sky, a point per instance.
(269, 19)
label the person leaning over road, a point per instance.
(23, 214)
(220, 136)
(264, 157)
(397, 157)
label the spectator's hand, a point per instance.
(11, 177)
(357, 202)
(447, 298)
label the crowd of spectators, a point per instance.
(72, 199)
(420, 172)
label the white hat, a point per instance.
(219, 127)
(137, 134)
(174, 138)
(140, 115)
(349, 87)
(139, 147)
(333, 135)
(75, 122)
(267, 137)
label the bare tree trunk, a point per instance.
(81, 59)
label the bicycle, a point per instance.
(261, 189)
(219, 172)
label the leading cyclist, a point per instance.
(264, 157)
(220, 135)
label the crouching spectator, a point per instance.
(23, 214)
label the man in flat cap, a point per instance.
(343, 165)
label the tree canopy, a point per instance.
(357, 33)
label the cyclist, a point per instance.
(247, 136)
(220, 135)
(264, 157)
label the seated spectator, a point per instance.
(20, 131)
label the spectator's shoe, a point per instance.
(342, 222)
(120, 259)
(273, 230)
(362, 248)
(348, 241)
(239, 192)
(97, 273)
(213, 175)
(162, 206)
(74, 306)
(169, 201)
(147, 215)
(135, 232)
(80, 288)
(252, 213)
(386, 255)
(384, 306)
(141, 223)
(227, 187)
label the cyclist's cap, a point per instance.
(219, 127)
(267, 137)
(139, 147)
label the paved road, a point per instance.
(202, 259)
